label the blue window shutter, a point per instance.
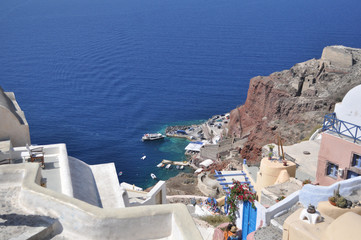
(328, 169)
(351, 174)
(354, 160)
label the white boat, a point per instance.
(160, 165)
(120, 173)
(168, 166)
(181, 167)
(143, 157)
(152, 136)
(153, 176)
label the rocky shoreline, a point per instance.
(291, 104)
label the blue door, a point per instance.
(245, 217)
(249, 219)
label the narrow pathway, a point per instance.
(15, 223)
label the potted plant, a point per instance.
(280, 198)
(270, 146)
(270, 155)
(332, 200)
(307, 181)
(338, 200)
(336, 195)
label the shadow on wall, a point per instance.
(83, 182)
(14, 219)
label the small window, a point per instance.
(332, 170)
(356, 161)
(351, 174)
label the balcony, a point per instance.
(350, 130)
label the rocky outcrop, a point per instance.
(293, 102)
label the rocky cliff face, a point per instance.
(293, 102)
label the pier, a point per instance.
(165, 162)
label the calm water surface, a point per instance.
(97, 74)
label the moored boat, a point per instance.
(160, 165)
(153, 176)
(168, 166)
(152, 136)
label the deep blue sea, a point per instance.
(98, 74)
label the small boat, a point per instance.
(168, 166)
(153, 176)
(160, 165)
(152, 136)
(144, 157)
(177, 167)
(120, 173)
(181, 167)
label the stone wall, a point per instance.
(337, 56)
(212, 151)
(207, 186)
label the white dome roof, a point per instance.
(349, 109)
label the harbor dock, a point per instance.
(165, 162)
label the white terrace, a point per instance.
(69, 199)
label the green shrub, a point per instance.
(341, 202)
(332, 199)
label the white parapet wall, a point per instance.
(80, 220)
(158, 194)
(65, 176)
(59, 151)
(311, 194)
(281, 207)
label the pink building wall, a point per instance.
(337, 151)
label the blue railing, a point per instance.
(225, 185)
(331, 123)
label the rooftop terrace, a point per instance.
(30, 210)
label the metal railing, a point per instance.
(331, 123)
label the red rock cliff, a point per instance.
(293, 102)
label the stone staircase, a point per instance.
(16, 224)
(275, 230)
